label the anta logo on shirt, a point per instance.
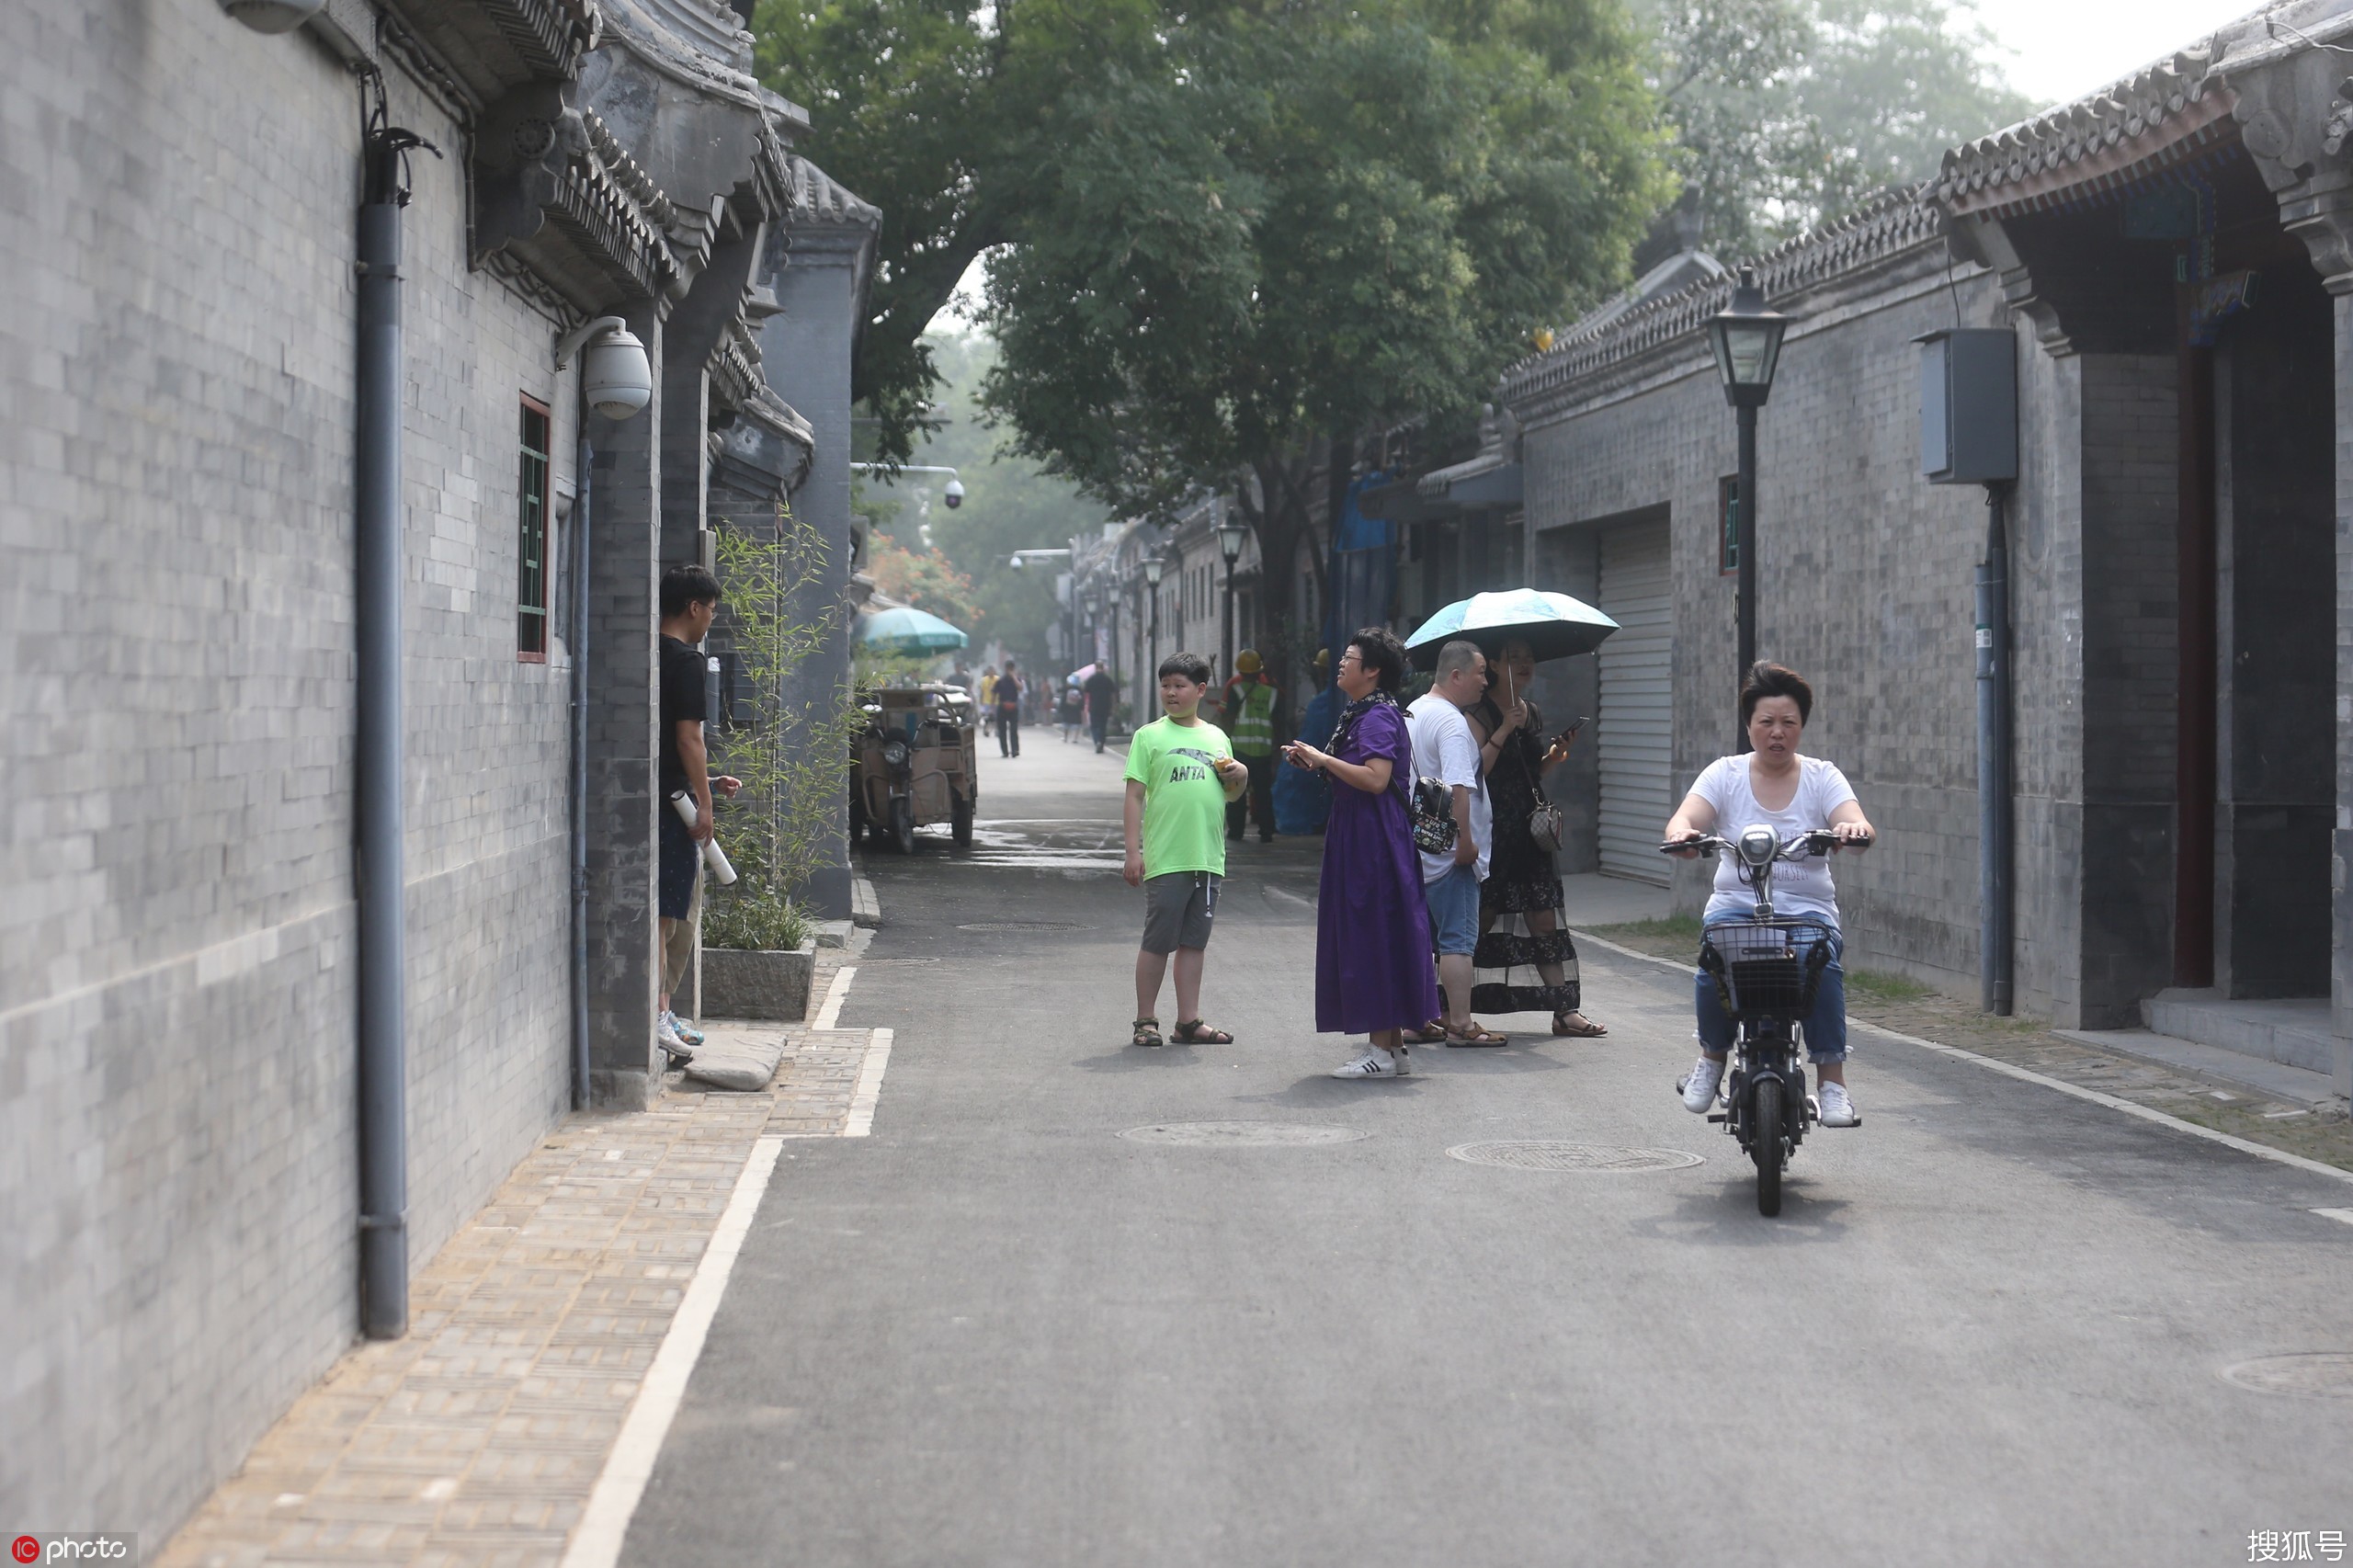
(1179, 773)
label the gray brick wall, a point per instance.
(1867, 575)
(176, 1155)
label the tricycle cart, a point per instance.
(918, 763)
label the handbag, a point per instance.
(1545, 824)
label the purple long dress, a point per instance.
(1373, 969)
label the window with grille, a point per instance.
(1728, 524)
(531, 538)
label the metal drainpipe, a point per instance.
(580, 779)
(1994, 823)
(378, 871)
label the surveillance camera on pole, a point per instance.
(955, 494)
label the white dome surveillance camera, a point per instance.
(955, 494)
(616, 377)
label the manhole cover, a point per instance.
(1020, 926)
(1242, 1135)
(1538, 1155)
(2323, 1374)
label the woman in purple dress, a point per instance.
(1374, 970)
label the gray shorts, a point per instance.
(1177, 908)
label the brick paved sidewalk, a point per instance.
(477, 1438)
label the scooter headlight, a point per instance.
(1758, 844)
(895, 753)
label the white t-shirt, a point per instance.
(1800, 887)
(1445, 750)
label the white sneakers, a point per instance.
(1376, 1063)
(1837, 1109)
(1699, 1088)
(1699, 1095)
(666, 1035)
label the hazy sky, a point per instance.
(2063, 49)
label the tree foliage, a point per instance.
(1370, 204)
(1786, 113)
(923, 578)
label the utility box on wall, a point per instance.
(1969, 405)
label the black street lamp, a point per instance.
(1153, 565)
(1230, 535)
(1747, 340)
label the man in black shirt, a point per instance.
(1102, 696)
(690, 599)
(1008, 713)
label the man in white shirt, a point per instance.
(1445, 750)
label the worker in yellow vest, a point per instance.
(1248, 717)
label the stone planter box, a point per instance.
(740, 985)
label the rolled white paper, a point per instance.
(712, 854)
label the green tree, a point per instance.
(1788, 113)
(925, 107)
(1518, 127)
(1306, 225)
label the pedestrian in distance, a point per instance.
(1527, 961)
(1102, 698)
(1069, 703)
(987, 695)
(1444, 749)
(1791, 793)
(689, 598)
(1181, 774)
(1372, 931)
(1008, 712)
(1247, 712)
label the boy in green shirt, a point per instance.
(1181, 774)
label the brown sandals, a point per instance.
(1583, 1028)
(1147, 1033)
(1195, 1032)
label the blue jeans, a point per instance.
(1824, 1026)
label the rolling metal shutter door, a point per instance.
(1635, 726)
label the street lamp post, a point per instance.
(1230, 535)
(1746, 338)
(1153, 565)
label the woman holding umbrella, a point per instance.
(1526, 962)
(1520, 902)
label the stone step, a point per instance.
(2297, 1032)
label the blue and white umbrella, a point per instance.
(1553, 625)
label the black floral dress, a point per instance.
(1520, 878)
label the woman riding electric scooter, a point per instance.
(1793, 794)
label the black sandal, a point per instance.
(1198, 1033)
(1147, 1033)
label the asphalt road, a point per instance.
(1990, 1326)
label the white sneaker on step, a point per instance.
(1699, 1088)
(1837, 1108)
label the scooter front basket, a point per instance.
(1766, 968)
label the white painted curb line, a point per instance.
(597, 1542)
(2027, 1075)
